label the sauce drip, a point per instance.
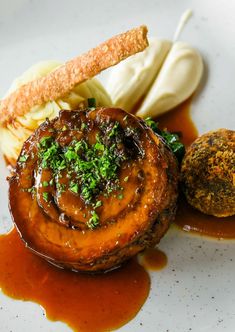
(153, 259)
(192, 220)
(85, 302)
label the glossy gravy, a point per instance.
(85, 302)
(191, 220)
(106, 301)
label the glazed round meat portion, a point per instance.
(208, 173)
(93, 188)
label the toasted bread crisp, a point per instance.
(59, 82)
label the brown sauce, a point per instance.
(191, 220)
(106, 301)
(187, 218)
(179, 120)
(153, 259)
(85, 302)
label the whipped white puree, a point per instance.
(166, 74)
(131, 79)
(176, 81)
(13, 135)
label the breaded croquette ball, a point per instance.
(208, 173)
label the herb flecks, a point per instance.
(172, 139)
(92, 169)
(74, 188)
(23, 158)
(114, 130)
(45, 196)
(91, 102)
(93, 222)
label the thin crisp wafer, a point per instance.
(62, 80)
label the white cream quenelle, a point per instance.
(177, 80)
(131, 79)
(164, 75)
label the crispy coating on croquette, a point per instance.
(208, 173)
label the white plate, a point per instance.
(195, 292)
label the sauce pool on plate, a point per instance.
(191, 220)
(85, 302)
(104, 301)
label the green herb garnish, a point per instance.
(45, 196)
(93, 222)
(45, 184)
(74, 188)
(83, 126)
(97, 204)
(172, 139)
(23, 158)
(114, 130)
(91, 102)
(92, 168)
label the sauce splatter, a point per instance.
(85, 302)
(153, 259)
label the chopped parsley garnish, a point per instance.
(45, 184)
(97, 204)
(23, 158)
(60, 187)
(51, 182)
(29, 190)
(120, 196)
(74, 188)
(91, 169)
(93, 222)
(83, 126)
(91, 102)
(114, 130)
(172, 139)
(45, 196)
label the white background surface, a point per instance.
(196, 290)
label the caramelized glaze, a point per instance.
(85, 302)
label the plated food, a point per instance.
(93, 185)
(93, 188)
(58, 85)
(208, 173)
(158, 79)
